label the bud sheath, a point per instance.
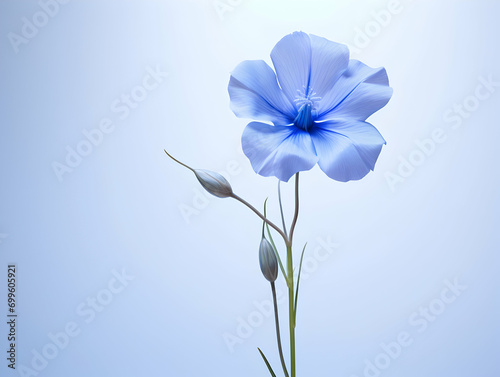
(214, 183)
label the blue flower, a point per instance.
(317, 101)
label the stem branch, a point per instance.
(270, 223)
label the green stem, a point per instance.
(291, 298)
(289, 276)
(291, 316)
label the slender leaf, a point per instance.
(281, 208)
(298, 282)
(267, 363)
(274, 246)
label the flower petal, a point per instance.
(292, 61)
(358, 93)
(305, 61)
(255, 94)
(279, 151)
(347, 150)
(328, 61)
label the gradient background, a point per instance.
(194, 280)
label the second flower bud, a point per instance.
(268, 261)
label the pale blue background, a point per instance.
(120, 207)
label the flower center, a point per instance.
(304, 118)
(305, 101)
(306, 95)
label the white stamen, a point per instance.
(306, 96)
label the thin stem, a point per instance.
(281, 208)
(176, 160)
(291, 316)
(270, 223)
(278, 336)
(296, 215)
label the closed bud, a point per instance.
(268, 261)
(211, 181)
(214, 183)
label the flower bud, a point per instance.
(214, 183)
(211, 181)
(268, 261)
